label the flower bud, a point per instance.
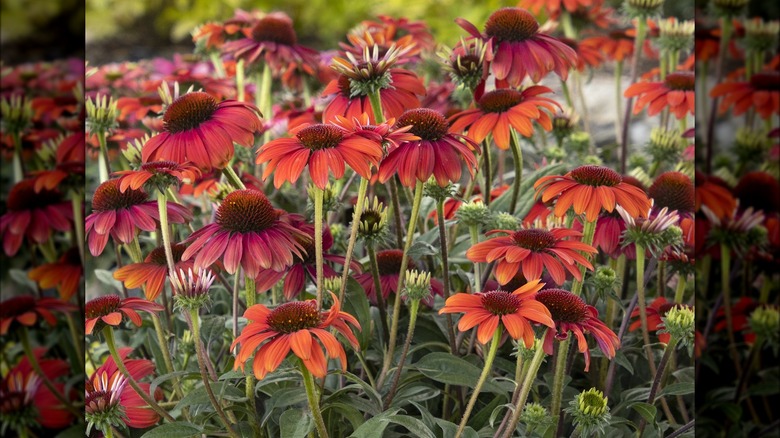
(590, 412)
(101, 114)
(535, 416)
(666, 145)
(643, 9)
(432, 189)
(417, 285)
(16, 114)
(761, 36)
(474, 213)
(679, 323)
(675, 35)
(372, 226)
(765, 323)
(191, 290)
(502, 221)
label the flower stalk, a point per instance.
(318, 218)
(517, 153)
(314, 401)
(533, 369)
(25, 338)
(486, 369)
(414, 307)
(445, 268)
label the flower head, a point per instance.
(467, 64)
(389, 264)
(675, 191)
(372, 225)
(153, 271)
(108, 310)
(643, 9)
(655, 232)
(248, 232)
(417, 285)
(191, 291)
(666, 145)
(571, 313)
(676, 93)
(515, 311)
(198, 129)
(717, 198)
(157, 174)
(761, 93)
(679, 323)
(295, 326)
(65, 273)
(765, 323)
(26, 310)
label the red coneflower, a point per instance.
(199, 129)
(514, 310)
(740, 318)
(675, 191)
(533, 250)
(498, 110)
(571, 313)
(655, 311)
(609, 229)
(717, 198)
(109, 310)
(588, 52)
(394, 28)
(70, 165)
(24, 399)
(437, 152)
(33, 215)
(589, 189)
(109, 400)
(159, 174)
(389, 264)
(761, 92)
(273, 38)
(759, 190)
(121, 214)
(295, 278)
(65, 273)
(248, 231)
(520, 49)
(294, 326)
(676, 93)
(388, 134)
(325, 148)
(153, 271)
(25, 310)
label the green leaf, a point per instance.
(481, 418)
(646, 410)
(356, 304)
(211, 328)
(375, 427)
(283, 398)
(178, 429)
(106, 277)
(420, 249)
(374, 396)
(413, 425)
(222, 390)
(623, 361)
(526, 197)
(446, 368)
(295, 423)
(450, 429)
(682, 388)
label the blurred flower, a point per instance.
(153, 271)
(676, 93)
(389, 264)
(740, 318)
(715, 197)
(533, 250)
(761, 93)
(121, 214)
(25, 310)
(514, 310)
(248, 232)
(392, 29)
(759, 190)
(588, 52)
(666, 145)
(571, 313)
(65, 273)
(199, 129)
(109, 310)
(296, 325)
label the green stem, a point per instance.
(48, 250)
(201, 355)
(679, 293)
(28, 351)
(766, 288)
(78, 339)
(517, 153)
(641, 301)
(376, 106)
(109, 433)
(725, 280)
(314, 401)
(166, 354)
(566, 93)
(639, 41)
(533, 370)
(726, 29)
(318, 200)
(658, 377)
(474, 233)
(486, 369)
(362, 189)
(618, 96)
(251, 298)
(104, 168)
(560, 369)
(380, 300)
(240, 80)
(488, 169)
(399, 233)
(418, 192)
(219, 67)
(588, 231)
(18, 166)
(445, 269)
(165, 230)
(233, 178)
(108, 332)
(414, 307)
(263, 97)
(77, 202)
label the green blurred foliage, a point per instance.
(20, 18)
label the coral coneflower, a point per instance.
(33, 215)
(588, 51)
(499, 110)
(589, 189)
(111, 309)
(437, 152)
(533, 250)
(761, 93)
(153, 271)
(715, 197)
(199, 129)
(272, 39)
(520, 49)
(295, 276)
(514, 310)
(65, 273)
(392, 28)
(294, 326)
(248, 232)
(571, 313)
(759, 190)
(325, 148)
(655, 312)
(617, 45)
(388, 134)
(110, 401)
(389, 264)
(121, 214)
(675, 191)
(740, 318)
(158, 174)
(26, 402)
(26, 310)
(676, 93)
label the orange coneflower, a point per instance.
(25, 310)
(111, 310)
(159, 174)
(589, 189)
(498, 110)
(325, 148)
(395, 28)
(153, 271)
(676, 93)
(571, 313)
(761, 92)
(121, 214)
(294, 326)
(514, 310)
(533, 250)
(617, 45)
(437, 152)
(248, 232)
(520, 49)
(714, 196)
(65, 273)
(588, 51)
(199, 129)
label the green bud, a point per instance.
(132, 152)
(502, 221)
(535, 416)
(432, 189)
(473, 213)
(373, 222)
(765, 323)
(679, 323)
(590, 412)
(643, 9)
(751, 145)
(101, 114)
(330, 198)
(593, 160)
(666, 145)
(553, 153)
(729, 8)
(16, 114)
(417, 285)
(578, 142)
(675, 35)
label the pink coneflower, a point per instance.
(520, 50)
(571, 313)
(111, 310)
(153, 271)
(199, 129)
(121, 214)
(389, 264)
(33, 215)
(26, 310)
(248, 232)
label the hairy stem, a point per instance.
(414, 306)
(533, 369)
(318, 217)
(314, 401)
(517, 153)
(486, 370)
(445, 269)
